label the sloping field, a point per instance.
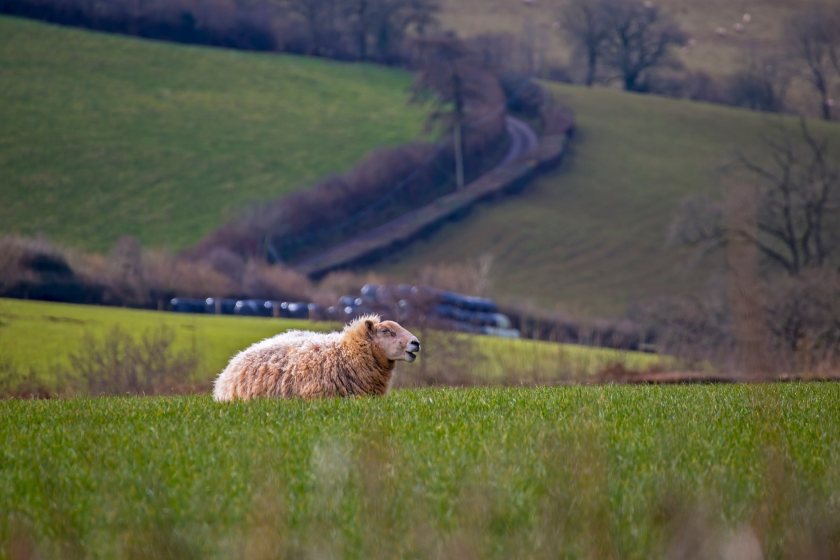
(42, 336)
(105, 135)
(578, 472)
(591, 237)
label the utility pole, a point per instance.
(458, 100)
(459, 157)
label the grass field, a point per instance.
(591, 237)
(577, 472)
(42, 335)
(106, 136)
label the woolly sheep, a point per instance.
(355, 362)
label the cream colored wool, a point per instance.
(357, 361)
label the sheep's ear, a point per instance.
(369, 326)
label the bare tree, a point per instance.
(760, 85)
(363, 29)
(584, 25)
(796, 217)
(639, 39)
(448, 73)
(814, 38)
(320, 19)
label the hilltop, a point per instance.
(710, 52)
(105, 135)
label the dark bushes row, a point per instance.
(375, 30)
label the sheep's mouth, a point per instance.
(410, 356)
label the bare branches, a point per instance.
(584, 24)
(119, 364)
(814, 39)
(628, 38)
(795, 219)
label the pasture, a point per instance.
(598, 472)
(591, 238)
(105, 135)
(40, 337)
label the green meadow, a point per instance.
(573, 472)
(105, 136)
(590, 238)
(40, 337)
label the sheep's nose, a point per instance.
(415, 345)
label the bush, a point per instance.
(803, 321)
(119, 364)
(262, 280)
(761, 85)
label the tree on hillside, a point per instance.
(362, 29)
(779, 226)
(794, 222)
(320, 20)
(380, 27)
(465, 92)
(639, 39)
(814, 39)
(760, 85)
(584, 25)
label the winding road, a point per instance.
(523, 140)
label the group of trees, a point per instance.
(779, 226)
(375, 30)
(626, 40)
(633, 42)
(814, 39)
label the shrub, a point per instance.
(761, 85)
(262, 280)
(120, 364)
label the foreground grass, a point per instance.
(630, 472)
(42, 335)
(591, 237)
(106, 135)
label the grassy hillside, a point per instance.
(588, 472)
(106, 135)
(591, 236)
(42, 335)
(710, 52)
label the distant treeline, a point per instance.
(371, 30)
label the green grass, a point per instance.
(591, 237)
(42, 335)
(106, 136)
(597, 472)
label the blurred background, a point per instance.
(658, 179)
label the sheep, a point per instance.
(355, 362)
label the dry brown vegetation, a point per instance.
(776, 310)
(119, 364)
(133, 276)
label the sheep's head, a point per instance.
(394, 341)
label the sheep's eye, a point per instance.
(392, 333)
